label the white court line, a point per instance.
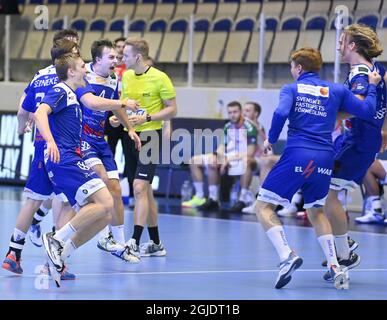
(256, 222)
(232, 220)
(192, 272)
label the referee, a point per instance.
(154, 92)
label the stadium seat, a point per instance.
(249, 9)
(106, 10)
(216, 41)
(206, 10)
(332, 21)
(369, 6)
(328, 46)
(319, 7)
(292, 23)
(254, 48)
(271, 23)
(292, 8)
(57, 24)
(87, 10)
(88, 39)
(145, 11)
(371, 20)
(158, 25)
(201, 28)
(68, 9)
(316, 23)
(138, 25)
(32, 45)
(165, 9)
(97, 25)
(384, 22)
(154, 40)
(45, 53)
(272, 8)
(227, 9)
(116, 25)
(125, 9)
(112, 35)
(309, 38)
(173, 39)
(18, 39)
(285, 41)
(184, 10)
(382, 34)
(79, 24)
(238, 41)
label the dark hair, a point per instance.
(66, 33)
(98, 46)
(119, 39)
(64, 63)
(257, 106)
(63, 46)
(235, 104)
(309, 58)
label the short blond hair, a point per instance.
(309, 58)
(139, 45)
(366, 40)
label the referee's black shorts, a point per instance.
(136, 168)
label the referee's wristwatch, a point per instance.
(148, 118)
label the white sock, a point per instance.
(18, 235)
(213, 191)
(68, 249)
(65, 232)
(199, 189)
(278, 239)
(37, 216)
(118, 234)
(375, 202)
(104, 233)
(244, 194)
(327, 243)
(297, 197)
(342, 246)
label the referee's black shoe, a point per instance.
(209, 205)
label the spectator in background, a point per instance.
(375, 175)
(229, 153)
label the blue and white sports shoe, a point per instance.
(64, 275)
(340, 277)
(35, 235)
(287, 267)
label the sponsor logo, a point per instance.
(307, 172)
(357, 86)
(317, 91)
(85, 191)
(142, 175)
(146, 94)
(85, 146)
(82, 166)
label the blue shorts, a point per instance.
(72, 177)
(299, 168)
(350, 166)
(38, 185)
(97, 151)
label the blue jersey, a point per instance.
(42, 82)
(94, 120)
(366, 134)
(311, 105)
(65, 119)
